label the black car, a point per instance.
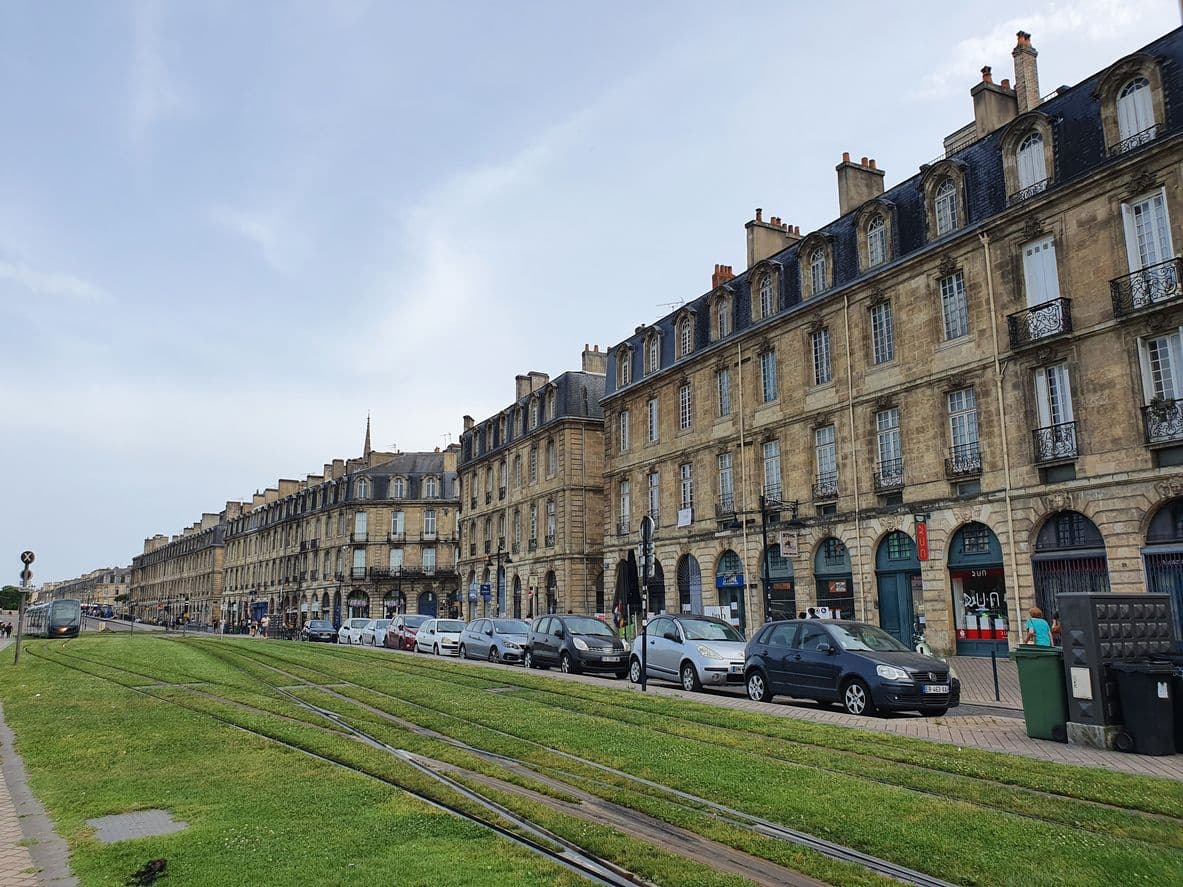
(576, 644)
(319, 630)
(858, 665)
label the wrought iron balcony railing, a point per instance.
(1054, 443)
(1163, 421)
(515, 548)
(1028, 192)
(1131, 142)
(889, 475)
(623, 527)
(358, 573)
(359, 537)
(532, 545)
(501, 493)
(303, 546)
(550, 541)
(338, 577)
(655, 513)
(398, 536)
(964, 461)
(1149, 286)
(772, 491)
(726, 505)
(1038, 322)
(825, 486)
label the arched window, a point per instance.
(652, 353)
(945, 205)
(1135, 114)
(399, 489)
(550, 404)
(817, 271)
(624, 368)
(876, 242)
(1031, 161)
(363, 488)
(766, 305)
(685, 337)
(431, 488)
(723, 318)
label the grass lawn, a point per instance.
(262, 814)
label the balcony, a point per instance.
(515, 548)
(1163, 421)
(1028, 192)
(550, 541)
(303, 546)
(384, 572)
(313, 544)
(1054, 443)
(488, 497)
(623, 526)
(825, 487)
(965, 461)
(400, 536)
(1145, 288)
(1040, 322)
(889, 475)
(1136, 140)
(358, 573)
(338, 577)
(500, 493)
(359, 537)
(429, 536)
(773, 491)
(532, 545)
(726, 505)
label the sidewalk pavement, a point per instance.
(17, 868)
(977, 681)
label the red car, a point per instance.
(400, 634)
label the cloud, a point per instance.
(154, 94)
(53, 284)
(270, 231)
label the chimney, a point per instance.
(521, 387)
(595, 361)
(723, 273)
(767, 238)
(857, 183)
(1026, 73)
(537, 379)
(469, 423)
(994, 105)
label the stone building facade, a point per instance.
(959, 399)
(107, 587)
(531, 478)
(180, 577)
(367, 537)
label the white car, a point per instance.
(350, 631)
(374, 634)
(439, 636)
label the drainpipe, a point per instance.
(743, 468)
(858, 521)
(998, 370)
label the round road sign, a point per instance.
(27, 557)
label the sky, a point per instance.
(228, 232)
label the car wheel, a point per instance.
(435, 650)
(758, 687)
(566, 666)
(690, 681)
(856, 698)
(934, 711)
(528, 660)
(634, 671)
(463, 652)
(493, 657)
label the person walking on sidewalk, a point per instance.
(1038, 631)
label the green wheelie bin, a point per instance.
(1045, 698)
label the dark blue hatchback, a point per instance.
(858, 665)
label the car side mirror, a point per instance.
(672, 636)
(489, 632)
(823, 647)
(559, 633)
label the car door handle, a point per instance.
(797, 657)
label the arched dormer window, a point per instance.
(362, 488)
(722, 317)
(398, 488)
(876, 241)
(1135, 114)
(945, 207)
(943, 186)
(766, 296)
(534, 410)
(1032, 165)
(816, 261)
(1026, 147)
(551, 401)
(624, 367)
(685, 337)
(817, 271)
(874, 233)
(1131, 96)
(652, 352)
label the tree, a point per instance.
(10, 597)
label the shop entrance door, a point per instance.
(981, 613)
(897, 571)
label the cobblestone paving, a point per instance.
(17, 868)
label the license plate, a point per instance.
(735, 669)
(936, 688)
(611, 658)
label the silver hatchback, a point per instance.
(694, 651)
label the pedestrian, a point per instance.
(1038, 631)
(812, 614)
(801, 615)
(263, 625)
(1057, 629)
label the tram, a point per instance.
(55, 619)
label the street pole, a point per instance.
(27, 558)
(646, 567)
(764, 572)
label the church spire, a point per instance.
(366, 449)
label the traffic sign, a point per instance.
(27, 557)
(26, 574)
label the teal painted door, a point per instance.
(896, 614)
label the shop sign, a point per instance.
(921, 536)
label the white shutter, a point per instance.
(1040, 272)
(1053, 395)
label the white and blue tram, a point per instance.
(54, 619)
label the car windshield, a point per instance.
(319, 625)
(449, 625)
(510, 626)
(382, 623)
(709, 630)
(358, 623)
(866, 638)
(586, 625)
(415, 621)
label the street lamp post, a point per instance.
(766, 505)
(184, 614)
(500, 577)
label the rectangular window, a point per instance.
(517, 470)
(552, 459)
(652, 419)
(396, 558)
(359, 524)
(726, 482)
(772, 468)
(1162, 359)
(398, 523)
(624, 429)
(963, 422)
(428, 557)
(826, 454)
(954, 307)
(723, 317)
(822, 372)
(550, 522)
(626, 509)
(1053, 395)
(768, 375)
(517, 527)
(359, 560)
(1148, 231)
(533, 465)
(684, 407)
(887, 428)
(686, 476)
(1039, 271)
(429, 522)
(534, 522)
(655, 496)
(723, 384)
(882, 333)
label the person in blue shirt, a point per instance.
(1038, 631)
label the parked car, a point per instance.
(858, 665)
(498, 640)
(439, 636)
(575, 644)
(691, 650)
(351, 629)
(319, 630)
(374, 634)
(400, 633)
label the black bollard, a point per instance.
(994, 668)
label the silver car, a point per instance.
(498, 640)
(439, 636)
(690, 650)
(374, 633)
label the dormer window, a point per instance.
(550, 404)
(398, 488)
(1032, 163)
(722, 317)
(362, 489)
(431, 488)
(1135, 114)
(1132, 107)
(624, 367)
(945, 207)
(652, 353)
(685, 337)
(817, 270)
(766, 297)
(876, 242)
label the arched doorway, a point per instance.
(389, 604)
(729, 583)
(980, 609)
(337, 609)
(326, 606)
(552, 592)
(1069, 556)
(359, 604)
(901, 597)
(689, 585)
(833, 579)
(517, 596)
(657, 588)
(427, 604)
(1163, 556)
(628, 590)
(780, 595)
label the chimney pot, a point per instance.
(759, 214)
(987, 77)
(846, 157)
(873, 163)
(1023, 37)
(863, 162)
(1005, 83)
